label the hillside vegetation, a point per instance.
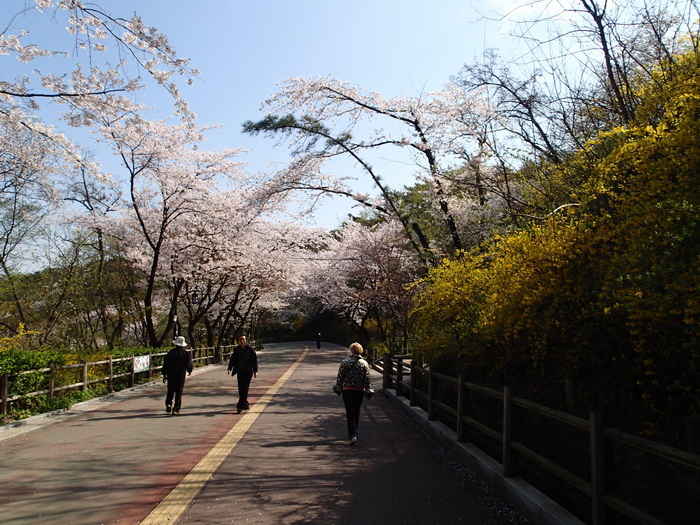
(601, 295)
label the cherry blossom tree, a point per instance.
(434, 132)
(264, 268)
(84, 88)
(90, 74)
(363, 273)
(245, 268)
(199, 231)
(88, 86)
(173, 202)
(26, 197)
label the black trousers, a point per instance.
(175, 389)
(243, 387)
(353, 402)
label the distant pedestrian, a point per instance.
(176, 365)
(353, 383)
(244, 364)
(318, 341)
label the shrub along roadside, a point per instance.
(15, 361)
(596, 305)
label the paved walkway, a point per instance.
(286, 461)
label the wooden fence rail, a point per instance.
(98, 372)
(600, 438)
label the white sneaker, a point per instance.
(353, 440)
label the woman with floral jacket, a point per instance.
(353, 383)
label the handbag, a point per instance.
(369, 393)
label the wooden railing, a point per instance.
(604, 502)
(54, 380)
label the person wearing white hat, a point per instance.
(176, 364)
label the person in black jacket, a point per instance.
(176, 364)
(244, 363)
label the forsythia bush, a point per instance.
(605, 294)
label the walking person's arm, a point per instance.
(342, 372)
(164, 368)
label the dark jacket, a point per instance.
(176, 364)
(243, 361)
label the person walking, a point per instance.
(353, 383)
(244, 364)
(176, 364)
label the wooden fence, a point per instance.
(603, 480)
(114, 373)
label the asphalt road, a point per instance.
(286, 461)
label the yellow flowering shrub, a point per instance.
(604, 293)
(21, 341)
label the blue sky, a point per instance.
(244, 48)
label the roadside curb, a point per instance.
(519, 494)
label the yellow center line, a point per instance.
(175, 503)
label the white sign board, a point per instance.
(142, 363)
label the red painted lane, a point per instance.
(115, 463)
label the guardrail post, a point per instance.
(132, 377)
(399, 376)
(460, 408)
(110, 369)
(52, 379)
(414, 378)
(431, 395)
(85, 376)
(597, 469)
(3, 390)
(386, 371)
(507, 459)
